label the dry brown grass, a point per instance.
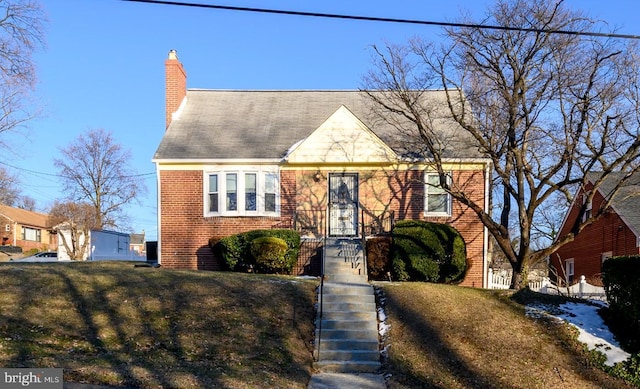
(452, 337)
(113, 324)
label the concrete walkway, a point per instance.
(347, 381)
(350, 358)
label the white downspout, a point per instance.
(159, 215)
(485, 254)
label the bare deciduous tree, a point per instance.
(72, 222)
(21, 33)
(27, 203)
(545, 107)
(97, 170)
(9, 190)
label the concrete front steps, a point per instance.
(347, 324)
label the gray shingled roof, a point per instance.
(236, 124)
(627, 201)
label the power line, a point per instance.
(63, 176)
(387, 20)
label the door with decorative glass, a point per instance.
(343, 204)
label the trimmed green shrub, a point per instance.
(235, 250)
(425, 251)
(399, 269)
(270, 255)
(621, 279)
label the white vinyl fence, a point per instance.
(502, 280)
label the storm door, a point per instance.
(343, 204)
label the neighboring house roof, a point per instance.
(626, 202)
(259, 125)
(136, 238)
(24, 217)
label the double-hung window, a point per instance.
(32, 234)
(214, 207)
(242, 192)
(588, 205)
(570, 269)
(437, 201)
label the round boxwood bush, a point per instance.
(270, 255)
(425, 251)
(234, 251)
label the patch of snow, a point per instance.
(592, 330)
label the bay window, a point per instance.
(245, 192)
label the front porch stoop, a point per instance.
(347, 332)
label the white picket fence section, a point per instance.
(582, 289)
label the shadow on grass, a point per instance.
(155, 328)
(455, 337)
(433, 341)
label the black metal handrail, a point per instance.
(372, 222)
(321, 293)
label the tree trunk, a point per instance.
(520, 277)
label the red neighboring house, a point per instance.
(26, 229)
(318, 161)
(616, 233)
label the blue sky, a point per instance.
(103, 67)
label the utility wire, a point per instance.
(62, 175)
(380, 19)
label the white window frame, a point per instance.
(570, 269)
(30, 232)
(261, 173)
(428, 187)
(606, 255)
(588, 209)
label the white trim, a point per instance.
(261, 175)
(159, 218)
(283, 163)
(224, 161)
(426, 184)
(485, 243)
(572, 262)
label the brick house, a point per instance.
(318, 161)
(26, 229)
(616, 233)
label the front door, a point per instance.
(343, 204)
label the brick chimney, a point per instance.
(176, 85)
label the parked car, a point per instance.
(44, 256)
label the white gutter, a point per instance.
(223, 161)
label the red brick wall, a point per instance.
(48, 241)
(185, 232)
(403, 193)
(608, 234)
